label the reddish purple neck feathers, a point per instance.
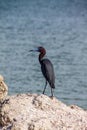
(42, 53)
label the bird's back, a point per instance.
(48, 71)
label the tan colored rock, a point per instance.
(39, 112)
(3, 88)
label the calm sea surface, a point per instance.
(58, 25)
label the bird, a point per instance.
(46, 68)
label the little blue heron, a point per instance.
(46, 68)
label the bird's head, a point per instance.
(40, 49)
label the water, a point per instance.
(59, 26)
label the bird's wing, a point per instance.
(47, 70)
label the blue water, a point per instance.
(58, 25)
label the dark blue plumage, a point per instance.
(48, 71)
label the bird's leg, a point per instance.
(45, 87)
(51, 92)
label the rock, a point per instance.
(3, 89)
(40, 112)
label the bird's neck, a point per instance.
(41, 57)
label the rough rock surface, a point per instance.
(3, 89)
(40, 112)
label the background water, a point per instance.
(58, 25)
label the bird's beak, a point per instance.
(31, 50)
(36, 49)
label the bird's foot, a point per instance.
(51, 97)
